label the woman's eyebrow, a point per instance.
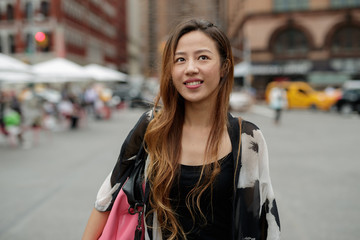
(179, 53)
(196, 52)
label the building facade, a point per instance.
(311, 40)
(161, 16)
(84, 31)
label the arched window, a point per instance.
(346, 40)
(291, 42)
(10, 12)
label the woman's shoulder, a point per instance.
(146, 116)
(137, 132)
(135, 137)
(144, 119)
(250, 132)
(246, 126)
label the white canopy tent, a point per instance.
(101, 73)
(16, 77)
(13, 70)
(11, 64)
(60, 70)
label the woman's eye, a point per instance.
(203, 58)
(179, 60)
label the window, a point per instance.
(290, 5)
(78, 12)
(344, 3)
(290, 42)
(45, 8)
(12, 44)
(346, 40)
(302, 91)
(9, 12)
(28, 10)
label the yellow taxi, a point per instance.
(302, 95)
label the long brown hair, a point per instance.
(163, 136)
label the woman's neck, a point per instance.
(198, 115)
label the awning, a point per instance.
(301, 67)
(60, 70)
(325, 78)
(101, 73)
(13, 70)
(287, 68)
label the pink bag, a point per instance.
(126, 220)
(121, 225)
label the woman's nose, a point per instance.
(191, 67)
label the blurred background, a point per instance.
(76, 74)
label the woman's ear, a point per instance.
(225, 67)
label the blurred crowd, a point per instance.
(43, 107)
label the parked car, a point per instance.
(349, 101)
(302, 95)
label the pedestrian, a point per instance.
(278, 101)
(3, 103)
(196, 185)
(90, 98)
(14, 118)
(75, 113)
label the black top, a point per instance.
(218, 214)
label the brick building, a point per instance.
(84, 31)
(313, 40)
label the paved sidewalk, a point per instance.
(47, 191)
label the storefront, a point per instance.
(320, 74)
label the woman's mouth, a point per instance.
(193, 83)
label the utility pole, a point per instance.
(247, 60)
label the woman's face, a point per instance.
(196, 69)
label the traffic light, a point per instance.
(41, 39)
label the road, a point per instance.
(48, 190)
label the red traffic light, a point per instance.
(40, 36)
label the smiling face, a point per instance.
(196, 70)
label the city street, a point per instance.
(48, 190)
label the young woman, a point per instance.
(200, 184)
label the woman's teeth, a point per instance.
(193, 83)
